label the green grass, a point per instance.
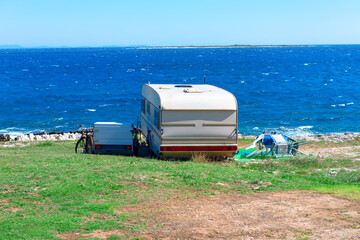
(46, 188)
(352, 192)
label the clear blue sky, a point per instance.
(178, 22)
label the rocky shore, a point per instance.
(43, 136)
(73, 135)
(334, 137)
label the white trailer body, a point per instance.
(113, 138)
(179, 120)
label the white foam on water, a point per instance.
(298, 131)
(242, 82)
(91, 110)
(305, 127)
(333, 106)
(350, 103)
(14, 131)
(105, 105)
(255, 128)
(341, 105)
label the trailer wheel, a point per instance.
(89, 147)
(154, 155)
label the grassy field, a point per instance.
(46, 189)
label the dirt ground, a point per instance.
(269, 215)
(346, 152)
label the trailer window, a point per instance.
(156, 118)
(148, 106)
(143, 105)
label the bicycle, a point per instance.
(86, 141)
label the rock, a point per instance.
(241, 181)
(23, 138)
(292, 172)
(31, 137)
(4, 137)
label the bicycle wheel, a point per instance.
(89, 146)
(80, 145)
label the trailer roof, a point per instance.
(189, 97)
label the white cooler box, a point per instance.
(113, 138)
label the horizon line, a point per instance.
(141, 46)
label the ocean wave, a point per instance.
(305, 127)
(105, 105)
(14, 131)
(300, 131)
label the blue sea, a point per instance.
(297, 90)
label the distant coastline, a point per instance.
(223, 46)
(156, 47)
(14, 46)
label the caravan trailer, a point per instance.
(179, 120)
(113, 138)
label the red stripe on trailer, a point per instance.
(197, 148)
(128, 147)
(98, 147)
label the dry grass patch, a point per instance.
(272, 215)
